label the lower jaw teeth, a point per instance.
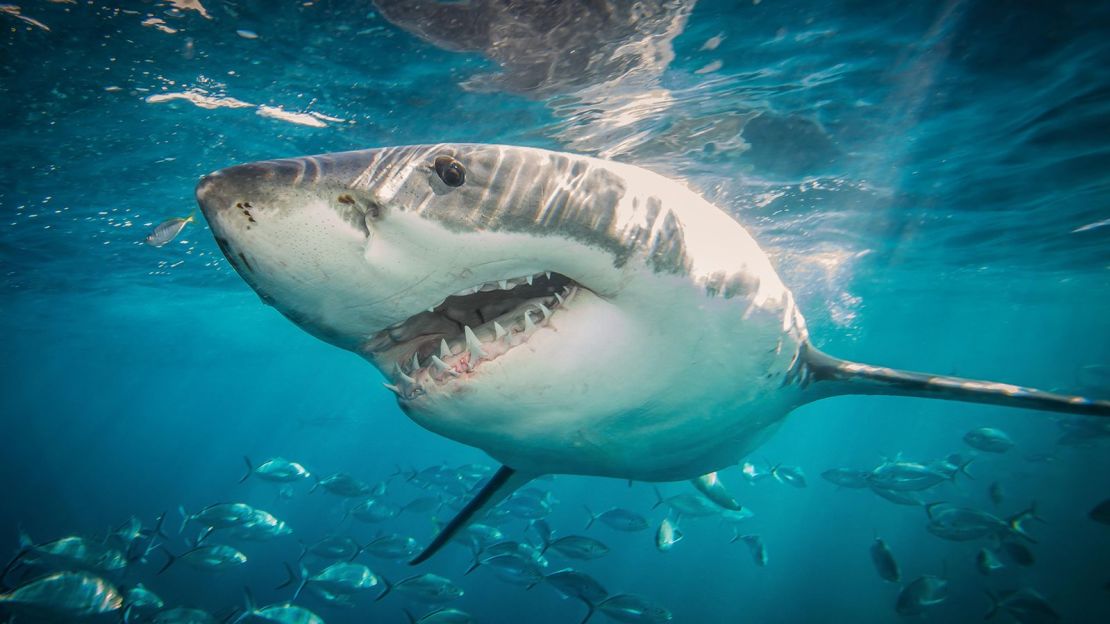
(464, 356)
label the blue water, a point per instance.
(929, 178)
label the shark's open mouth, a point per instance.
(452, 339)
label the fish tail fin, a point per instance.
(170, 559)
(824, 376)
(304, 551)
(477, 561)
(735, 536)
(250, 469)
(995, 604)
(158, 526)
(962, 469)
(659, 500)
(409, 616)
(203, 535)
(503, 483)
(11, 566)
(630, 483)
(591, 608)
(126, 617)
(290, 576)
(248, 604)
(314, 485)
(1016, 521)
(184, 518)
(590, 522)
(388, 588)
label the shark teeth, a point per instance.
(500, 284)
(461, 355)
(442, 367)
(473, 346)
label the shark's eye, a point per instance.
(450, 171)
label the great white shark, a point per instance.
(565, 314)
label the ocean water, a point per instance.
(930, 179)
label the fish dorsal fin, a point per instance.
(826, 376)
(503, 483)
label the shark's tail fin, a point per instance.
(503, 483)
(827, 376)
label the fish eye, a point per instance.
(450, 171)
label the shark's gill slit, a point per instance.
(478, 324)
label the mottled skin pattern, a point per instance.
(674, 360)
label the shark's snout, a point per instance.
(249, 186)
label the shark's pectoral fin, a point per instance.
(503, 483)
(827, 376)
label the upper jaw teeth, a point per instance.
(474, 345)
(504, 284)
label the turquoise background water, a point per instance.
(929, 178)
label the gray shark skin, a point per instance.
(543, 48)
(563, 313)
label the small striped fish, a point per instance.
(167, 231)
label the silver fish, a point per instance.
(71, 594)
(427, 588)
(392, 547)
(333, 547)
(920, 594)
(139, 598)
(515, 569)
(167, 230)
(442, 616)
(218, 516)
(335, 582)
(790, 475)
(633, 608)
(343, 484)
(260, 527)
(846, 477)
(756, 547)
(619, 519)
(71, 552)
(667, 535)
(690, 505)
(1025, 605)
(986, 562)
(575, 584)
(989, 439)
(576, 547)
(374, 510)
(903, 476)
(711, 485)
(214, 558)
(885, 563)
(277, 470)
